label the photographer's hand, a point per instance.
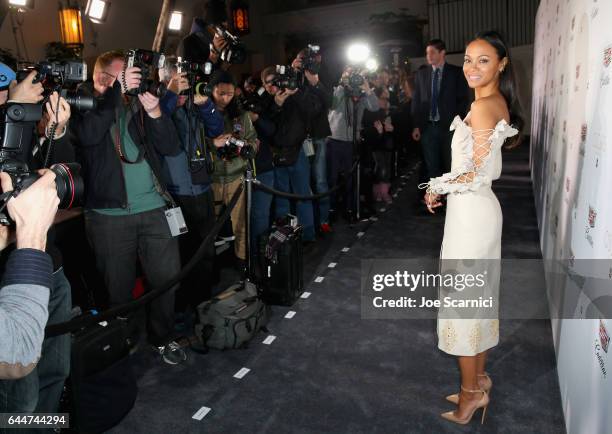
(26, 92)
(379, 126)
(60, 117)
(313, 79)
(178, 82)
(416, 134)
(151, 104)
(221, 140)
(129, 78)
(219, 44)
(199, 99)
(282, 96)
(33, 210)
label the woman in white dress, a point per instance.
(473, 224)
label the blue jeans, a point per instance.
(296, 179)
(319, 172)
(260, 209)
(41, 389)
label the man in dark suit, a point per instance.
(440, 93)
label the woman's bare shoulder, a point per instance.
(489, 110)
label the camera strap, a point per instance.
(122, 127)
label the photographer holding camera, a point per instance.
(309, 61)
(26, 282)
(126, 198)
(291, 110)
(232, 149)
(41, 390)
(188, 175)
(353, 95)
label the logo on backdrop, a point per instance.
(604, 337)
(607, 56)
(592, 218)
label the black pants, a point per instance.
(199, 214)
(339, 164)
(118, 243)
(436, 145)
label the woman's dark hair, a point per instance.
(507, 84)
(223, 77)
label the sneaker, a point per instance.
(172, 353)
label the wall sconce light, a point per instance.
(240, 17)
(29, 4)
(71, 25)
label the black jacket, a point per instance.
(453, 98)
(292, 122)
(102, 171)
(319, 125)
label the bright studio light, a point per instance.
(22, 3)
(97, 10)
(358, 53)
(371, 64)
(176, 21)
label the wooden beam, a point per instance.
(162, 25)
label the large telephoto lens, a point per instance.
(69, 184)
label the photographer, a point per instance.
(262, 200)
(291, 111)
(24, 293)
(126, 198)
(188, 178)
(229, 170)
(319, 127)
(340, 152)
(41, 390)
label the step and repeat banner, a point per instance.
(572, 173)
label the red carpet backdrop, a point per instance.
(572, 174)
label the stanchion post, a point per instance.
(248, 188)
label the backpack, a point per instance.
(232, 318)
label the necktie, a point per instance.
(434, 94)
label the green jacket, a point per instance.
(227, 171)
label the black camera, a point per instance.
(198, 76)
(55, 75)
(352, 84)
(235, 147)
(251, 101)
(148, 61)
(235, 52)
(312, 60)
(18, 122)
(288, 78)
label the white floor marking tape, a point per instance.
(241, 373)
(360, 234)
(319, 279)
(290, 314)
(345, 249)
(305, 294)
(199, 415)
(268, 340)
(332, 265)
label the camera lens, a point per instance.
(69, 184)
(80, 101)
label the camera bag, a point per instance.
(232, 318)
(102, 384)
(281, 265)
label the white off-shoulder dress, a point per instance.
(473, 228)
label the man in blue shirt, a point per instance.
(188, 179)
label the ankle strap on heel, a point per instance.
(472, 391)
(486, 374)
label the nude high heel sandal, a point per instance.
(487, 388)
(482, 403)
